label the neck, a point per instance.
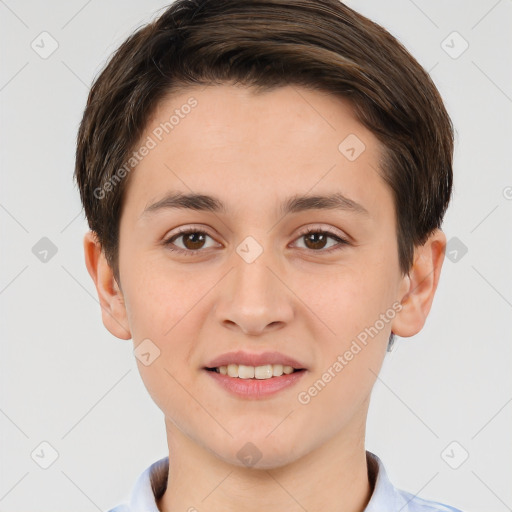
(334, 476)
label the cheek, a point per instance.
(356, 309)
(354, 306)
(161, 309)
(157, 298)
(350, 299)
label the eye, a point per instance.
(316, 240)
(193, 241)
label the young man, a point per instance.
(265, 182)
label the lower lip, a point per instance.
(256, 388)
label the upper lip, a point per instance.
(254, 359)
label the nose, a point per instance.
(255, 297)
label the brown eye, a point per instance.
(317, 239)
(192, 241)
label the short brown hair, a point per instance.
(320, 44)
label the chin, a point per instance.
(260, 453)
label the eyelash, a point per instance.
(169, 242)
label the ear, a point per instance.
(113, 309)
(420, 285)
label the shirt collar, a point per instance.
(152, 483)
(149, 487)
(384, 493)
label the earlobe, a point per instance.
(421, 284)
(113, 309)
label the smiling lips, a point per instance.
(255, 375)
(246, 365)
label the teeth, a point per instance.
(277, 369)
(263, 372)
(245, 372)
(232, 370)
(266, 371)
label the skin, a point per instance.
(252, 151)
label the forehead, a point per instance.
(257, 146)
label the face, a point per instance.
(248, 277)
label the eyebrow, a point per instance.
(294, 204)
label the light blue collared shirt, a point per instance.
(151, 485)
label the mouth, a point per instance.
(263, 372)
(251, 375)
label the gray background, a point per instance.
(67, 382)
